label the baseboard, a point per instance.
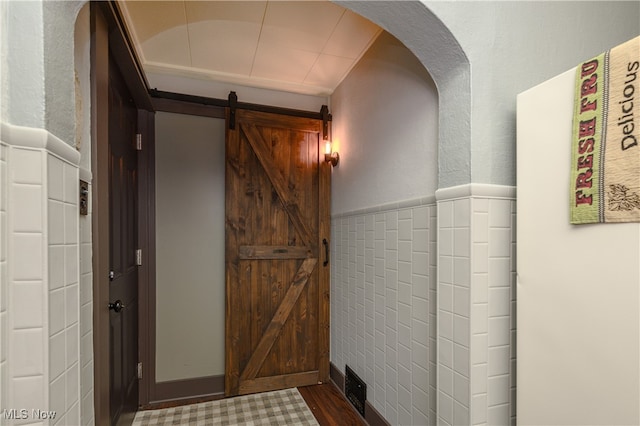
(178, 392)
(336, 376)
(371, 415)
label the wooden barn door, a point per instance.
(277, 236)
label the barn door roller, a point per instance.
(233, 104)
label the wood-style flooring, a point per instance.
(329, 406)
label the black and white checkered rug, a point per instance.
(284, 407)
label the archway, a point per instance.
(431, 42)
(436, 47)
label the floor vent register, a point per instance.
(355, 389)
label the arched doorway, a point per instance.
(453, 161)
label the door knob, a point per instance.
(116, 306)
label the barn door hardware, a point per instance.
(233, 104)
(324, 112)
(325, 243)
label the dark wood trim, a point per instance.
(336, 377)
(179, 402)
(210, 387)
(231, 369)
(100, 211)
(192, 99)
(371, 415)
(108, 40)
(146, 272)
(224, 103)
(127, 43)
(324, 266)
(125, 56)
(149, 378)
(188, 108)
(149, 327)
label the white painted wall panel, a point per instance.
(382, 281)
(385, 127)
(578, 286)
(189, 246)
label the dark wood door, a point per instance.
(123, 286)
(277, 281)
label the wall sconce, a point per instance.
(329, 156)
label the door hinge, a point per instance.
(139, 257)
(139, 141)
(139, 370)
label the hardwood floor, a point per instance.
(329, 406)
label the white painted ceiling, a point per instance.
(305, 47)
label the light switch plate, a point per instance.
(84, 198)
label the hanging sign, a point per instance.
(605, 160)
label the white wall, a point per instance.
(4, 285)
(385, 127)
(3, 210)
(438, 50)
(578, 286)
(83, 145)
(23, 75)
(58, 18)
(190, 226)
(36, 92)
(4, 67)
(514, 45)
(385, 117)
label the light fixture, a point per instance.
(329, 155)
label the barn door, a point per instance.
(277, 272)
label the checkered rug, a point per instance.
(285, 407)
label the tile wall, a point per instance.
(86, 315)
(383, 306)
(41, 311)
(3, 274)
(454, 259)
(27, 330)
(493, 304)
(64, 290)
(476, 305)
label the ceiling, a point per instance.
(305, 47)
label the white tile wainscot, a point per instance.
(382, 305)
(4, 286)
(40, 322)
(476, 305)
(86, 312)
